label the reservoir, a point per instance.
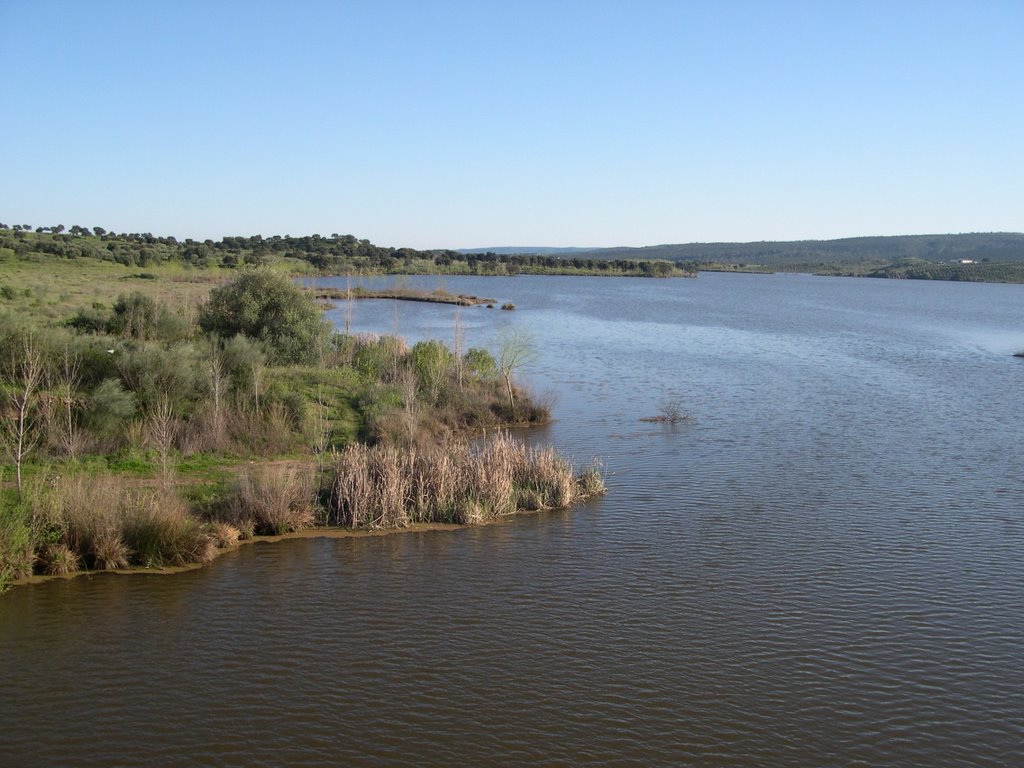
(822, 566)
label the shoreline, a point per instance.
(327, 532)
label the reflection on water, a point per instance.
(824, 567)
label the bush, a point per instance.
(295, 407)
(109, 408)
(93, 519)
(378, 358)
(134, 316)
(153, 371)
(100, 522)
(224, 535)
(240, 355)
(267, 306)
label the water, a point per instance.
(825, 566)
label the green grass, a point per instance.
(52, 290)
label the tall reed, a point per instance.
(383, 487)
(273, 499)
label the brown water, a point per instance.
(825, 567)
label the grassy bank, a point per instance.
(148, 395)
(63, 524)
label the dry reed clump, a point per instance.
(544, 479)
(265, 431)
(488, 478)
(93, 519)
(103, 523)
(382, 487)
(59, 559)
(160, 531)
(246, 528)
(224, 535)
(275, 498)
(372, 486)
(590, 482)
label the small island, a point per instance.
(437, 296)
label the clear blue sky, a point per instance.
(480, 123)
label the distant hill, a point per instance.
(990, 246)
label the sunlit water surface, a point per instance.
(824, 567)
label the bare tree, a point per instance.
(162, 430)
(458, 334)
(23, 377)
(68, 379)
(397, 347)
(670, 409)
(321, 431)
(218, 380)
(349, 306)
(515, 350)
(258, 371)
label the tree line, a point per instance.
(336, 254)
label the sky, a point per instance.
(434, 124)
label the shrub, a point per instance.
(266, 305)
(134, 316)
(95, 319)
(153, 371)
(590, 482)
(295, 408)
(241, 355)
(379, 358)
(670, 411)
(109, 408)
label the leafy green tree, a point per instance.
(480, 363)
(267, 306)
